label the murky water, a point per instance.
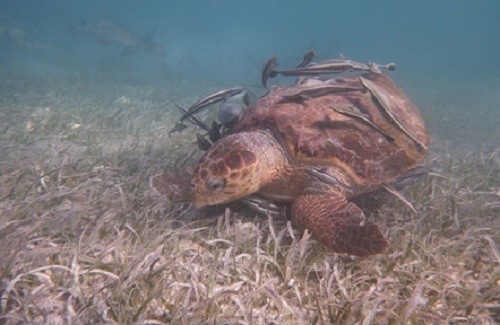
(89, 96)
(446, 54)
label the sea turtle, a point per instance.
(360, 134)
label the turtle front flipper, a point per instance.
(338, 224)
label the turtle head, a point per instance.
(234, 167)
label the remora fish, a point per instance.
(263, 206)
(354, 112)
(308, 57)
(214, 132)
(194, 119)
(315, 88)
(335, 66)
(179, 127)
(269, 70)
(375, 68)
(108, 32)
(326, 67)
(219, 96)
(317, 91)
(385, 103)
(325, 177)
(203, 143)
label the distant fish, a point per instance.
(179, 127)
(308, 57)
(219, 96)
(108, 32)
(269, 70)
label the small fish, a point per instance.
(179, 127)
(322, 175)
(108, 32)
(263, 206)
(384, 103)
(305, 91)
(308, 57)
(377, 68)
(194, 119)
(399, 195)
(337, 66)
(269, 70)
(354, 112)
(410, 177)
(309, 81)
(216, 97)
(203, 143)
(214, 132)
(326, 67)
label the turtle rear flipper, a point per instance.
(338, 224)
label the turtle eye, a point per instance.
(215, 185)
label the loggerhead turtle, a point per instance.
(359, 132)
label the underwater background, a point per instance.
(89, 116)
(447, 52)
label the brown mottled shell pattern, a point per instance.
(313, 132)
(359, 133)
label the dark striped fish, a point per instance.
(385, 103)
(263, 206)
(217, 97)
(214, 132)
(354, 112)
(325, 177)
(269, 70)
(308, 57)
(410, 177)
(203, 143)
(312, 88)
(399, 195)
(376, 68)
(326, 67)
(194, 119)
(336, 66)
(179, 127)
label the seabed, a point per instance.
(83, 238)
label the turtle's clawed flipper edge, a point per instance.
(338, 224)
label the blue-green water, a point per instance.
(447, 52)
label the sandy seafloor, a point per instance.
(84, 239)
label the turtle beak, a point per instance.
(209, 192)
